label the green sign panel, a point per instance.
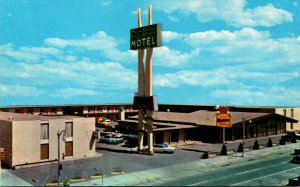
(145, 37)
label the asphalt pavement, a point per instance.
(122, 167)
(163, 175)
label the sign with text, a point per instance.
(223, 120)
(146, 37)
(145, 102)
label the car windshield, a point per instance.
(160, 145)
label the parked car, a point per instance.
(103, 122)
(296, 159)
(163, 148)
(111, 139)
(159, 148)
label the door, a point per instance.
(44, 151)
(69, 149)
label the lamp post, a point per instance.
(250, 121)
(58, 150)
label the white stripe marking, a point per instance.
(235, 174)
(264, 176)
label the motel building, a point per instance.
(31, 139)
(200, 125)
(113, 112)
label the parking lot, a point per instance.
(111, 160)
(117, 159)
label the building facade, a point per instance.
(30, 139)
(174, 127)
(292, 113)
(110, 111)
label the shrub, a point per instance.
(240, 148)
(256, 145)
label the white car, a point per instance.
(158, 148)
(163, 148)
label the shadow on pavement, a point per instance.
(114, 150)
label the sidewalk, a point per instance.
(155, 176)
(8, 179)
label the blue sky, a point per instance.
(215, 52)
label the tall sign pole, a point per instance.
(143, 38)
(141, 75)
(148, 90)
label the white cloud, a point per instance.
(169, 57)
(225, 76)
(19, 90)
(96, 42)
(273, 96)
(269, 16)
(29, 54)
(244, 46)
(194, 78)
(170, 35)
(232, 12)
(72, 92)
(60, 72)
(105, 3)
(173, 18)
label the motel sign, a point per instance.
(145, 37)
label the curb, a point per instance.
(77, 180)
(117, 172)
(53, 184)
(97, 176)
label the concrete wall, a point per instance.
(26, 142)
(296, 115)
(83, 141)
(55, 125)
(22, 142)
(6, 140)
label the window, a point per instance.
(44, 131)
(69, 129)
(54, 110)
(292, 116)
(284, 112)
(44, 151)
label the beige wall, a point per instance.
(26, 142)
(83, 143)
(296, 114)
(22, 141)
(54, 126)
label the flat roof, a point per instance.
(164, 126)
(66, 105)
(204, 117)
(6, 116)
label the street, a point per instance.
(268, 166)
(273, 171)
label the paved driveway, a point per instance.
(115, 158)
(112, 160)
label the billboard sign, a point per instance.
(146, 37)
(223, 120)
(145, 102)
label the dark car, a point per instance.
(296, 159)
